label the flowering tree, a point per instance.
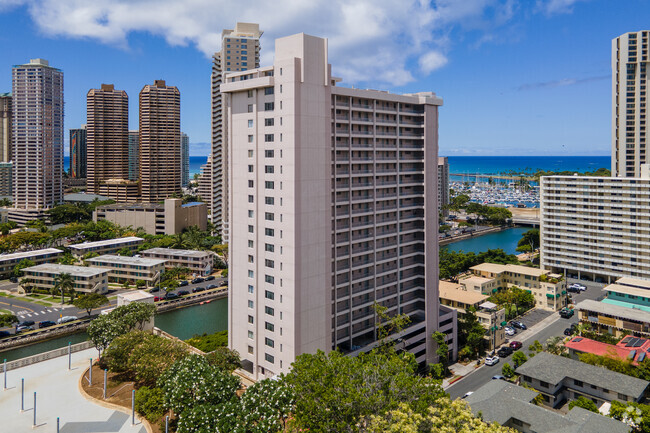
(265, 406)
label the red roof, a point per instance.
(586, 345)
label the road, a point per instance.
(554, 326)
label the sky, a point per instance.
(518, 77)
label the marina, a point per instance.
(499, 194)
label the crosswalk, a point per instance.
(23, 314)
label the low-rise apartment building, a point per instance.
(9, 261)
(561, 379)
(198, 262)
(87, 279)
(486, 286)
(489, 314)
(548, 289)
(109, 246)
(130, 269)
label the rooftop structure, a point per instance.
(9, 261)
(106, 246)
(453, 295)
(632, 348)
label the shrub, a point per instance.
(507, 370)
(152, 357)
(208, 343)
(116, 356)
(584, 403)
(149, 403)
(224, 358)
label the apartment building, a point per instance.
(332, 207)
(629, 348)
(37, 118)
(595, 227)
(134, 154)
(78, 153)
(9, 261)
(240, 51)
(87, 279)
(5, 127)
(198, 262)
(109, 246)
(185, 160)
(160, 141)
(548, 289)
(6, 179)
(443, 185)
(559, 379)
(630, 82)
(168, 218)
(130, 269)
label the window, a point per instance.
(268, 138)
(577, 382)
(269, 279)
(269, 184)
(268, 91)
(250, 334)
(250, 123)
(269, 216)
(269, 169)
(268, 153)
(622, 397)
(250, 228)
(269, 295)
(269, 121)
(250, 93)
(269, 358)
(269, 263)
(250, 320)
(250, 108)
(250, 138)
(543, 384)
(269, 342)
(251, 199)
(251, 168)
(250, 304)
(270, 311)
(250, 243)
(251, 274)
(250, 153)
(250, 259)
(269, 232)
(251, 289)
(269, 200)
(251, 184)
(269, 248)
(269, 106)
(269, 326)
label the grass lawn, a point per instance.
(6, 311)
(112, 298)
(37, 295)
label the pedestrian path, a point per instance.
(57, 395)
(24, 314)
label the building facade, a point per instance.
(160, 141)
(185, 160)
(37, 110)
(130, 269)
(5, 127)
(333, 207)
(240, 51)
(78, 153)
(134, 154)
(443, 185)
(198, 262)
(630, 80)
(9, 261)
(205, 182)
(6, 179)
(109, 246)
(168, 218)
(87, 279)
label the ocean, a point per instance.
(483, 164)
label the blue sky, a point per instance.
(518, 77)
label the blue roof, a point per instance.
(194, 203)
(625, 304)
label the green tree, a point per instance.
(63, 283)
(67, 259)
(635, 415)
(507, 370)
(208, 343)
(149, 403)
(584, 403)
(471, 333)
(518, 358)
(529, 241)
(7, 319)
(104, 329)
(24, 263)
(140, 283)
(126, 252)
(442, 350)
(224, 359)
(90, 301)
(555, 345)
(536, 347)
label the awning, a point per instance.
(504, 323)
(529, 291)
(550, 295)
(564, 292)
(494, 290)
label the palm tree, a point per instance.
(64, 282)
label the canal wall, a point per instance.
(452, 239)
(12, 365)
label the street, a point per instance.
(553, 325)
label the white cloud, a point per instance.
(369, 40)
(553, 7)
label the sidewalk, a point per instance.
(57, 396)
(459, 371)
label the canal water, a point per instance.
(182, 323)
(506, 240)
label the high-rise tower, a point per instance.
(108, 144)
(185, 160)
(629, 105)
(78, 153)
(37, 105)
(134, 154)
(5, 127)
(160, 141)
(240, 50)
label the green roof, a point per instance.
(5, 94)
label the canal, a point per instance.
(505, 239)
(182, 323)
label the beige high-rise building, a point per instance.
(630, 124)
(443, 185)
(108, 144)
(205, 181)
(160, 141)
(5, 127)
(37, 105)
(240, 50)
(333, 206)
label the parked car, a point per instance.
(5, 334)
(211, 286)
(467, 394)
(170, 295)
(209, 278)
(183, 283)
(491, 360)
(46, 323)
(504, 352)
(198, 289)
(13, 279)
(516, 345)
(573, 289)
(510, 331)
(183, 292)
(156, 298)
(66, 319)
(566, 313)
(26, 323)
(517, 324)
(580, 287)
(197, 280)
(154, 289)
(23, 329)
(568, 332)
(498, 377)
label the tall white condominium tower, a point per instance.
(37, 136)
(240, 51)
(629, 105)
(333, 207)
